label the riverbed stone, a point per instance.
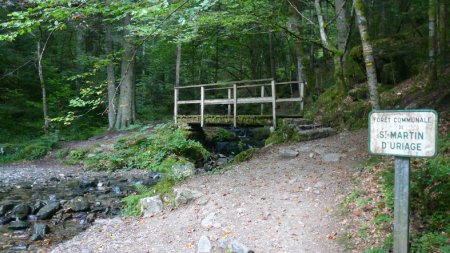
(39, 231)
(48, 211)
(6, 206)
(79, 204)
(204, 245)
(18, 225)
(183, 196)
(151, 205)
(21, 211)
(183, 170)
(5, 220)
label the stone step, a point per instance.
(317, 133)
(297, 121)
(306, 127)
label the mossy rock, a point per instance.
(244, 156)
(35, 151)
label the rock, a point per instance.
(117, 190)
(316, 133)
(21, 211)
(19, 225)
(5, 220)
(37, 205)
(39, 231)
(331, 157)
(233, 246)
(183, 170)
(238, 247)
(208, 221)
(204, 245)
(311, 155)
(151, 205)
(79, 204)
(48, 211)
(287, 153)
(6, 206)
(87, 182)
(183, 196)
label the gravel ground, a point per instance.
(270, 204)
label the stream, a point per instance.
(35, 215)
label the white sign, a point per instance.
(409, 133)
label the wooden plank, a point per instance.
(253, 85)
(274, 104)
(220, 84)
(202, 106)
(302, 94)
(175, 105)
(234, 105)
(282, 100)
(229, 106)
(187, 102)
(220, 101)
(290, 82)
(401, 205)
(254, 100)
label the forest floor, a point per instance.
(270, 204)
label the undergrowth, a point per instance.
(28, 150)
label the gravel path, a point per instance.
(270, 204)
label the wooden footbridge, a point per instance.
(213, 94)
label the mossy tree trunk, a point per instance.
(432, 42)
(111, 78)
(342, 33)
(372, 81)
(40, 52)
(442, 33)
(126, 114)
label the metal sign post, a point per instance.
(403, 134)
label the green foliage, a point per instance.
(223, 135)
(61, 154)
(30, 150)
(76, 156)
(284, 133)
(431, 242)
(244, 156)
(157, 150)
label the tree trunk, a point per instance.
(126, 112)
(272, 57)
(443, 45)
(111, 79)
(79, 57)
(432, 42)
(342, 32)
(323, 34)
(40, 52)
(177, 66)
(368, 54)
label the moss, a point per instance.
(244, 156)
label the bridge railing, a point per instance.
(233, 100)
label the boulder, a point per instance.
(21, 211)
(5, 220)
(39, 231)
(18, 225)
(79, 204)
(184, 170)
(48, 211)
(6, 206)
(183, 196)
(151, 205)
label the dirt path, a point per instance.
(270, 204)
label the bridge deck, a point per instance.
(232, 101)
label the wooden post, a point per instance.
(401, 205)
(262, 95)
(229, 105)
(175, 105)
(234, 105)
(202, 106)
(301, 90)
(274, 104)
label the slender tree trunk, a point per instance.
(272, 57)
(40, 52)
(79, 56)
(126, 112)
(432, 42)
(368, 54)
(443, 45)
(342, 32)
(323, 34)
(111, 78)
(178, 66)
